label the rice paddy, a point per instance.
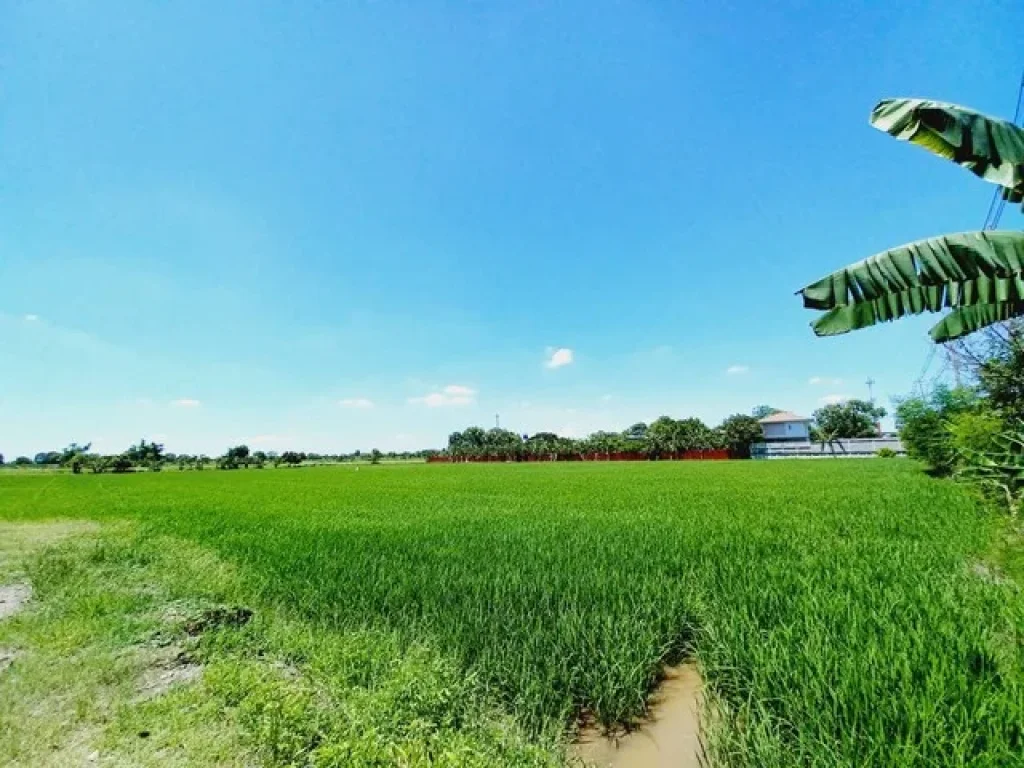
(831, 607)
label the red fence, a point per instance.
(714, 455)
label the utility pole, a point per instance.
(497, 421)
(871, 389)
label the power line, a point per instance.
(996, 207)
(998, 204)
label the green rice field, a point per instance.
(837, 610)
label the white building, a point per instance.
(786, 426)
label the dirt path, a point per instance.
(670, 738)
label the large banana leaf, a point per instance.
(959, 271)
(931, 263)
(986, 146)
(965, 320)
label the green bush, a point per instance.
(923, 423)
(885, 453)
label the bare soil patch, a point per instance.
(13, 598)
(172, 669)
(669, 737)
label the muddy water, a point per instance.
(671, 737)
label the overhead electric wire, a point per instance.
(998, 204)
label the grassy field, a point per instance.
(838, 610)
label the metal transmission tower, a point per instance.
(871, 389)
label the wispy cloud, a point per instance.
(453, 394)
(833, 399)
(185, 402)
(558, 357)
(607, 398)
(359, 403)
(737, 370)
(815, 381)
(30, 318)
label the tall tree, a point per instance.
(854, 418)
(740, 432)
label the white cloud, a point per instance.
(185, 402)
(833, 399)
(736, 370)
(607, 398)
(356, 402)
(31, 318)
(453, 394)
(558, 357)
(816, 380)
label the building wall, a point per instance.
(787, 430)
(866, 447)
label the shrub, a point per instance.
(885, 453)
(923, 423)
(998, 467)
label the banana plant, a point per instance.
(978, 276)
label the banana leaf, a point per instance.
(980, 275)
(941, 263)
(966, 320)
(988, 147)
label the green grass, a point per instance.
(831, 606)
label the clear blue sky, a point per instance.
(365, 224)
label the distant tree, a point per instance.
(22, 461)
(238, 452)
(740, 432)
(44, 458)
(375, 456)
(72, 457)
(764, 411)
(502, 443)
(544, 445)
(636, 432)
(604, 443)
(854, 418)
(694, 435)
(145, 453)
(121, 463)
(291, 458)
(1, 459)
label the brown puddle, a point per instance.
(670, 737)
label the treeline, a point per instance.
(664, 436)
(151, 456)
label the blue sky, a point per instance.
(350, 225)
